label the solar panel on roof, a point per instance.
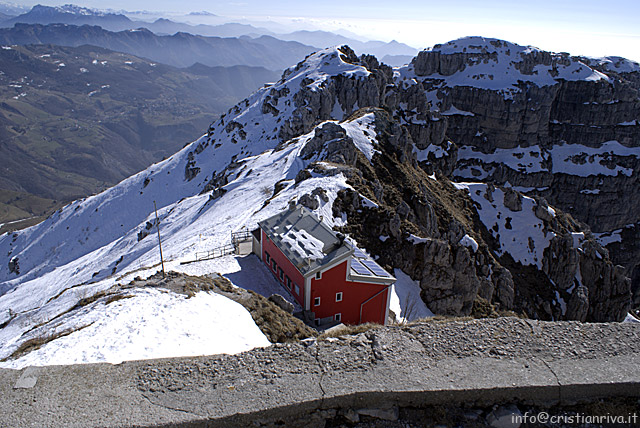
(359, 268)
(375, 268)
(360, 254)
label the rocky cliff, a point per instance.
(563, 128)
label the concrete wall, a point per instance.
(381, 372)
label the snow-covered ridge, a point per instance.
(477, 44)
(617, 64)
(256, 123)
(497, 65)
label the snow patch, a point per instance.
(630, 318)
(607, 238)
(527, 159)
(618, 64)
(438, 151)
(405, 301)
(367, 203)
(583, 161)
(416, 239)
(453, 110)
(362, 131)
(578, 239)
(590, 191)
(469, 242)
(563, 304)
(520, 234)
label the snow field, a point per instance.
(152, 324)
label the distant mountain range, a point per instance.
(70, 128)
(395, 52)
(178, 50)
(76, 120)
(12, 9)
(71, 14)
(376, 48)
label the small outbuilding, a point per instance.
(330, 278)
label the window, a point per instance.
(288, 282)
(316, 301)
(267, 257)
(297, 290)
(337, 317)
(281, 275)
(339, 297)
(274, 265)
(318, 275)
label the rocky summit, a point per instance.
(483, 172)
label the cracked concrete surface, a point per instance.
(481, 362)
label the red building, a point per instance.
(328, 276)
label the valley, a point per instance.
(76, 121)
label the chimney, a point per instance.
(292, 205)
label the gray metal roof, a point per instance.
(306, 241)
(310, 245)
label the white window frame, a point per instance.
(337, 317)
(280, 273)
(318, 275)
(267, 257)
(339, 296)
(316, 301)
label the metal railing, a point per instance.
(216, 252)
(242, 236)
(236, 239)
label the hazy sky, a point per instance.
(587, 27)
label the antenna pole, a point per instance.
(159, 241)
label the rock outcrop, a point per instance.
(552, 125)
(423, 226)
